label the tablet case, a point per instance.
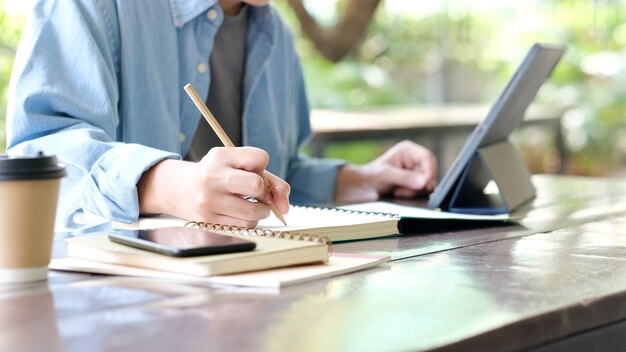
(488, 155)
(502, 164)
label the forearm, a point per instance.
(157, 188)
(354, 186)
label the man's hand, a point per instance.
(214, 190)
(406, 170)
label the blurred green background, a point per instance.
(458, 51)
(11, 20)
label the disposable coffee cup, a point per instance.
(29, 191)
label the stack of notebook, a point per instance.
(281, 257)
(281, 252)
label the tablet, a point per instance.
(488, 155)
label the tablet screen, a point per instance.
(506, 114)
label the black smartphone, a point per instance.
(180, 241)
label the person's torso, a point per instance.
(157, 58)
(225, 99)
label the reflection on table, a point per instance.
(554, 280)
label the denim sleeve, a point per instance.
(312, 180)
(64, 98)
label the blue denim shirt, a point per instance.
(100, 83)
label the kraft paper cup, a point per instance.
(29, 191)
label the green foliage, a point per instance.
(468, 54)
(464, 52)
(594, 72)
(10, 29)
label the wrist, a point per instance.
(157, 187)
(353, 185)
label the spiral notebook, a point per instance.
(273, 249)
(336, 224)
(352, 222)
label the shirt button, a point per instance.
(181, 137)
(201, 68)
(211, 14)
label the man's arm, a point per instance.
(64, 98)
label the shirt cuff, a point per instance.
(313, 181)
(111, 190)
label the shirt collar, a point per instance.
(184, 11)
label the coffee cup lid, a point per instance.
(30, 167)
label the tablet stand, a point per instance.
(501, 163)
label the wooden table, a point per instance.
(555, 281)
(436, 124)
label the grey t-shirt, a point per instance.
(225, 98)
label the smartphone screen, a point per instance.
(182, 241)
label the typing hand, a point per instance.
(405, 170)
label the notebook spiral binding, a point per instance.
(244, 231)
(350, 211)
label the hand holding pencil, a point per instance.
(275, 197)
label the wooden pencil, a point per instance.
(193, 94)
